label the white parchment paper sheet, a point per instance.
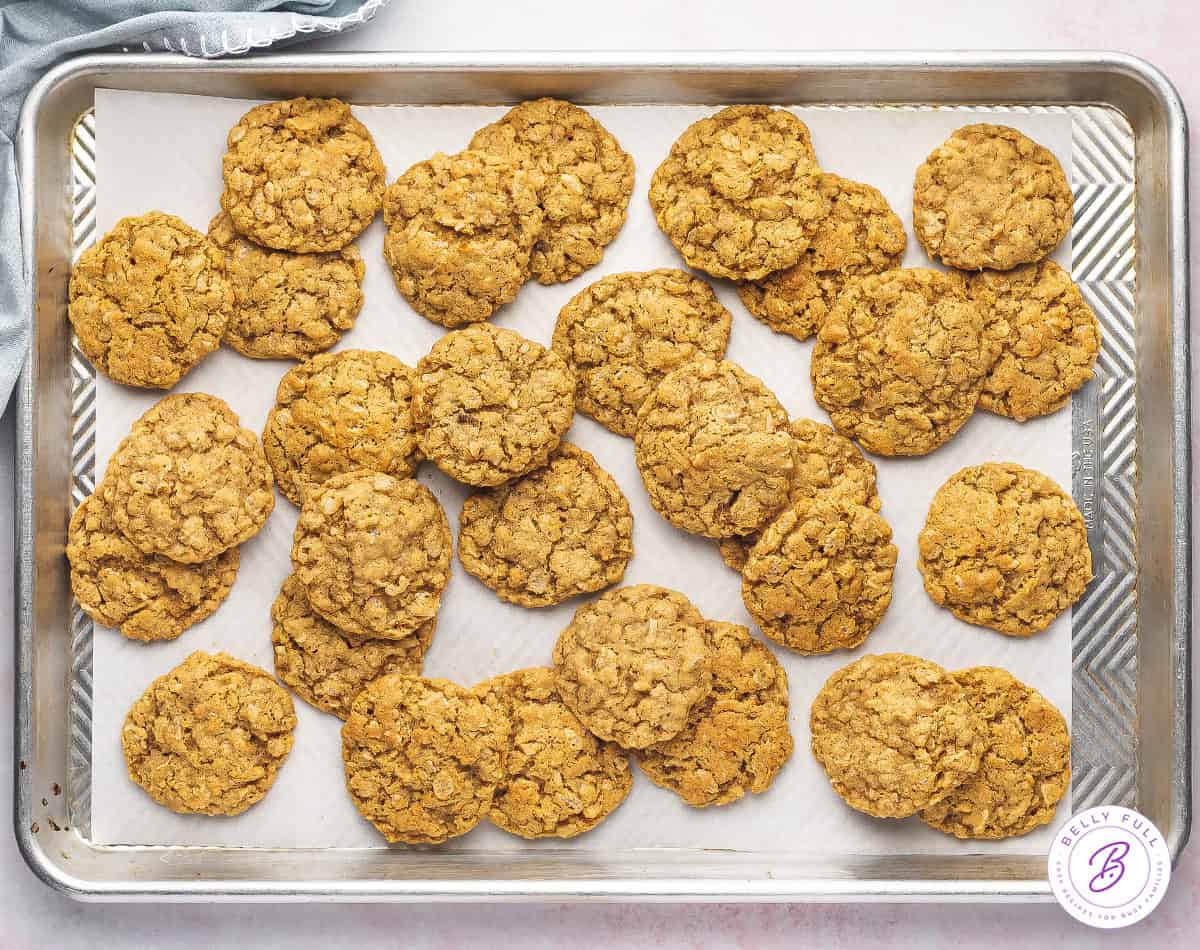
(157, 151)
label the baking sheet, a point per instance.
(163, 151)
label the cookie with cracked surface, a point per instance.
(900, 360)
(860, 236)
(301, 175)
(633, 663)
(585, 179)
(624, 333)
(1026, 766)
(714, 450)
(737, 738)
(286, 305)
(1004, 547)
(561, 530)
(149, 300)
(422, 757)
(373, 553)
(559, 779)
(460, 232)
(989, 196)
(338, 412)
(327, 667)
(491, 405)
(895, 734)
(209, 737)
(189, 482)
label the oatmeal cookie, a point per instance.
(990, 197)
(895, 734)
(625, 332)
(1026, 765)
(422, 757)
(189, 482)
(714, 451)
(860, 236)
(900, 361)
(373, 553)
(338, 412)
(737, 739)
(633, 663)
(149, 300)
(491, 405)
(585, 179)
(209, 737)
(301, 175)
(1004, 547)
(562, 530)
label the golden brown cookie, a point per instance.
(373, 553)
(739, 194)
(990, 197)
(327, 667)
(900, 360)
(561, 530)
(460, 231)
(338, 412)
(149, 300)
(209, 737)
(895, 734)
(737, 738)
(584, 176)
(559, 780)
(422, 757)
(714, 450)
(860, 236)
(625, 332)
(188, 482)
(287, 306)
(633, 663)
(1026, 765)
(1004, 547)
(491, 405)
(301, 175)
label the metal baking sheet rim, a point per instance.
(59, 874)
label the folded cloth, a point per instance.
(36, 34)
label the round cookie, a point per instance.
(714, 450)
(285, 305)
(895, 734)
(1004, 547)
(739, 193)
(559, 780)
(1026, 766)
(990, 197)
(737, 739)
(900, 360)
(820, 577)
(149, 300)
(209, 737)
(326, 667)
(460, 231)
(633, 663)
(624, 333)
(338, 412)
(301, 175)
(491, 405)
(1051, 339)
(373, 553)
(188, 482)
(422, 757)
(585, 180)
(561, 530)
(860, 236)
